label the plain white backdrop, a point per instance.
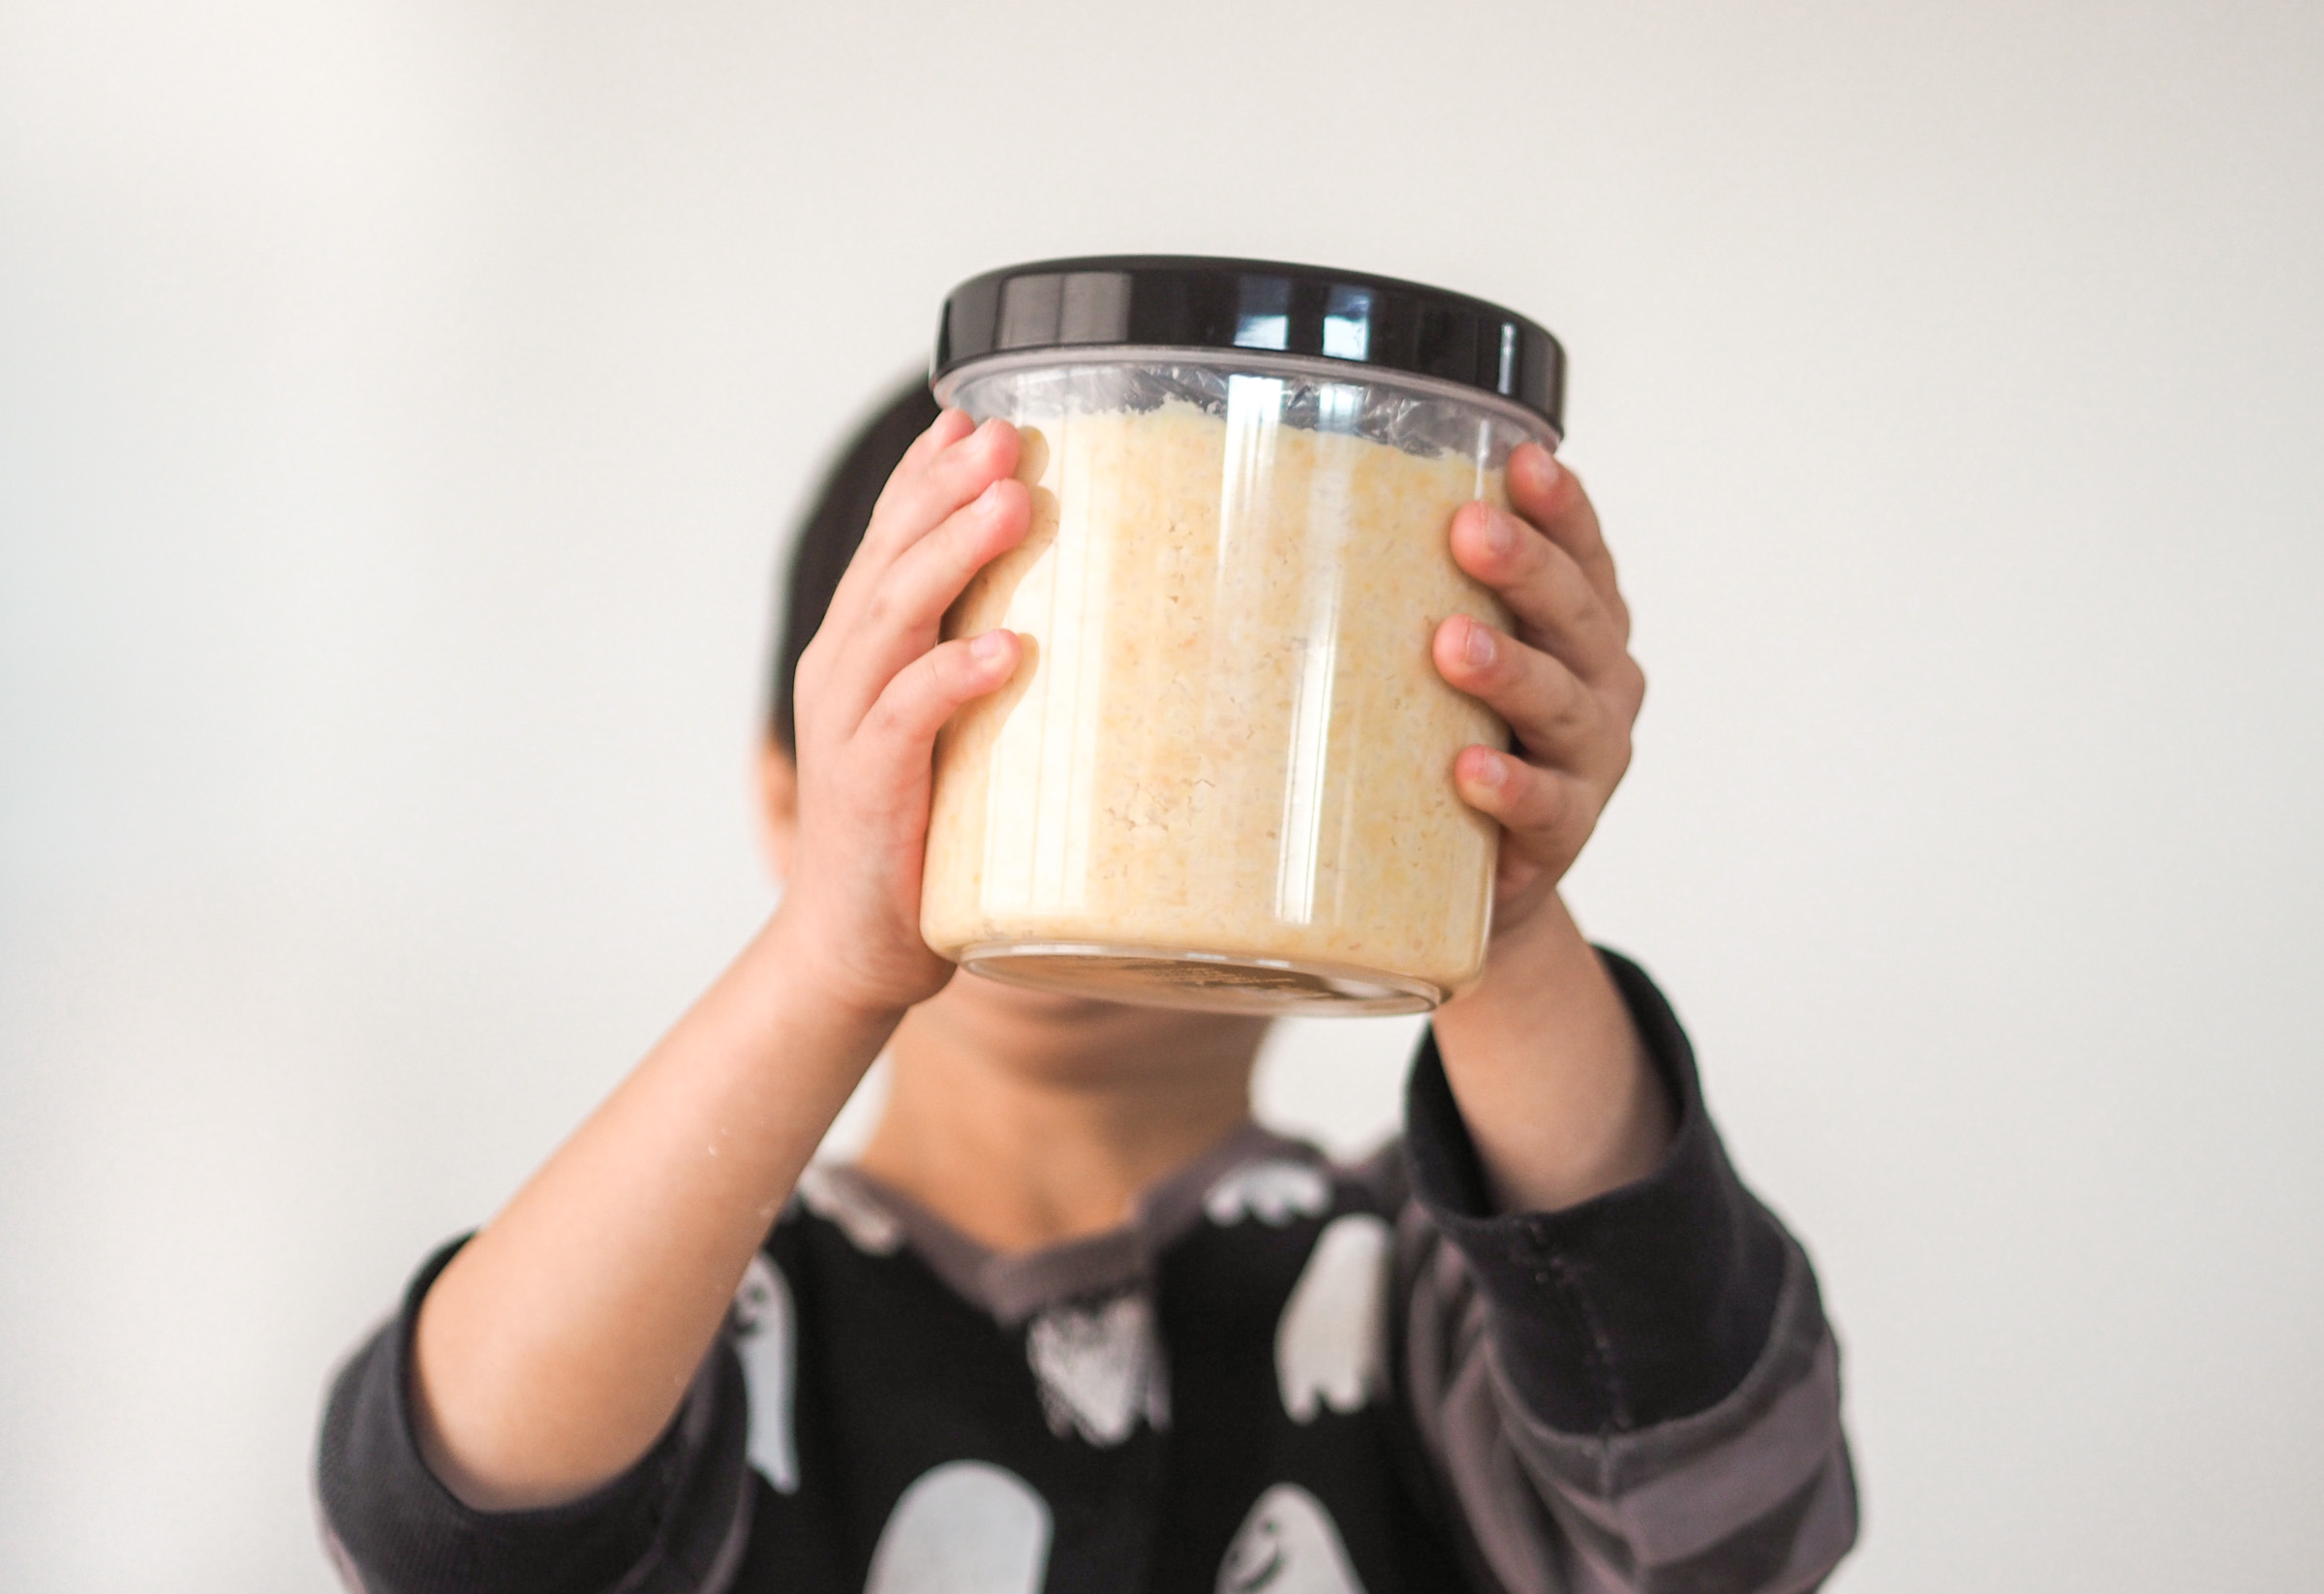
(400, 406)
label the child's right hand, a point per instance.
(873, 688)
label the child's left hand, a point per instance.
(1565, 681)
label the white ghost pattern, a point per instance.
(870, 1227)
(766, 1337)
(1288, 1545)
(1099, 1369)
(1274, 1190)
(1332, 1341)
(965, 1527)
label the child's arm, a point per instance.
(1640, 1393)
(1653, 1401)
(1541, 1055)
(554, 1348)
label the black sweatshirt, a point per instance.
(1281, 1375)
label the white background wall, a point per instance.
(399, 405)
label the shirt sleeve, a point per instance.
(674, 1523)
(1635, 1394)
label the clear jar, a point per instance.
(1222, 776)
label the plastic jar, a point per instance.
(1222, 776)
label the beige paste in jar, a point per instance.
(1227, 736)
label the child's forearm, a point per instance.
(554, 1348)
(1550, 1075)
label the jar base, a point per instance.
(1212, 982)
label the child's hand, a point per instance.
(1565, 683)
(873, 688)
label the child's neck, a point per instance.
(1022, 1136)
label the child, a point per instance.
(1074, 1321)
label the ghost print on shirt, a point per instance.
(965, 1527)
(1099, 1369)
(1288, 1545)
(1332, 1341)
(766, 1338)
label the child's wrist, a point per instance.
(1550, 1070)
(1545, 946)
(807, 959)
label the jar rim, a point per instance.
(1246, 362)
(1203, 303)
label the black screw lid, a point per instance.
(1194, 301)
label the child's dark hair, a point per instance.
(827, 540)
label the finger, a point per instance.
(1547, 493)
(898, 618)
(921, 492)
(1545, 815)
(898, 735)
(948, 466)
(1555, 605)
(1561, 721)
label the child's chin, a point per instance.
(1117, 1022)
(1110, 1026)
(1055, 1005)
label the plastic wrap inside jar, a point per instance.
(1222, 775)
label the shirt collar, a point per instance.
(1014, 1286)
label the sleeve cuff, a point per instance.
(1646, 1303)
(390, 1515)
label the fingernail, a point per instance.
(1544, 469)
(988, 648)
(1479, 650)
(989, 500)
(1499, 534)
(1493, 771)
